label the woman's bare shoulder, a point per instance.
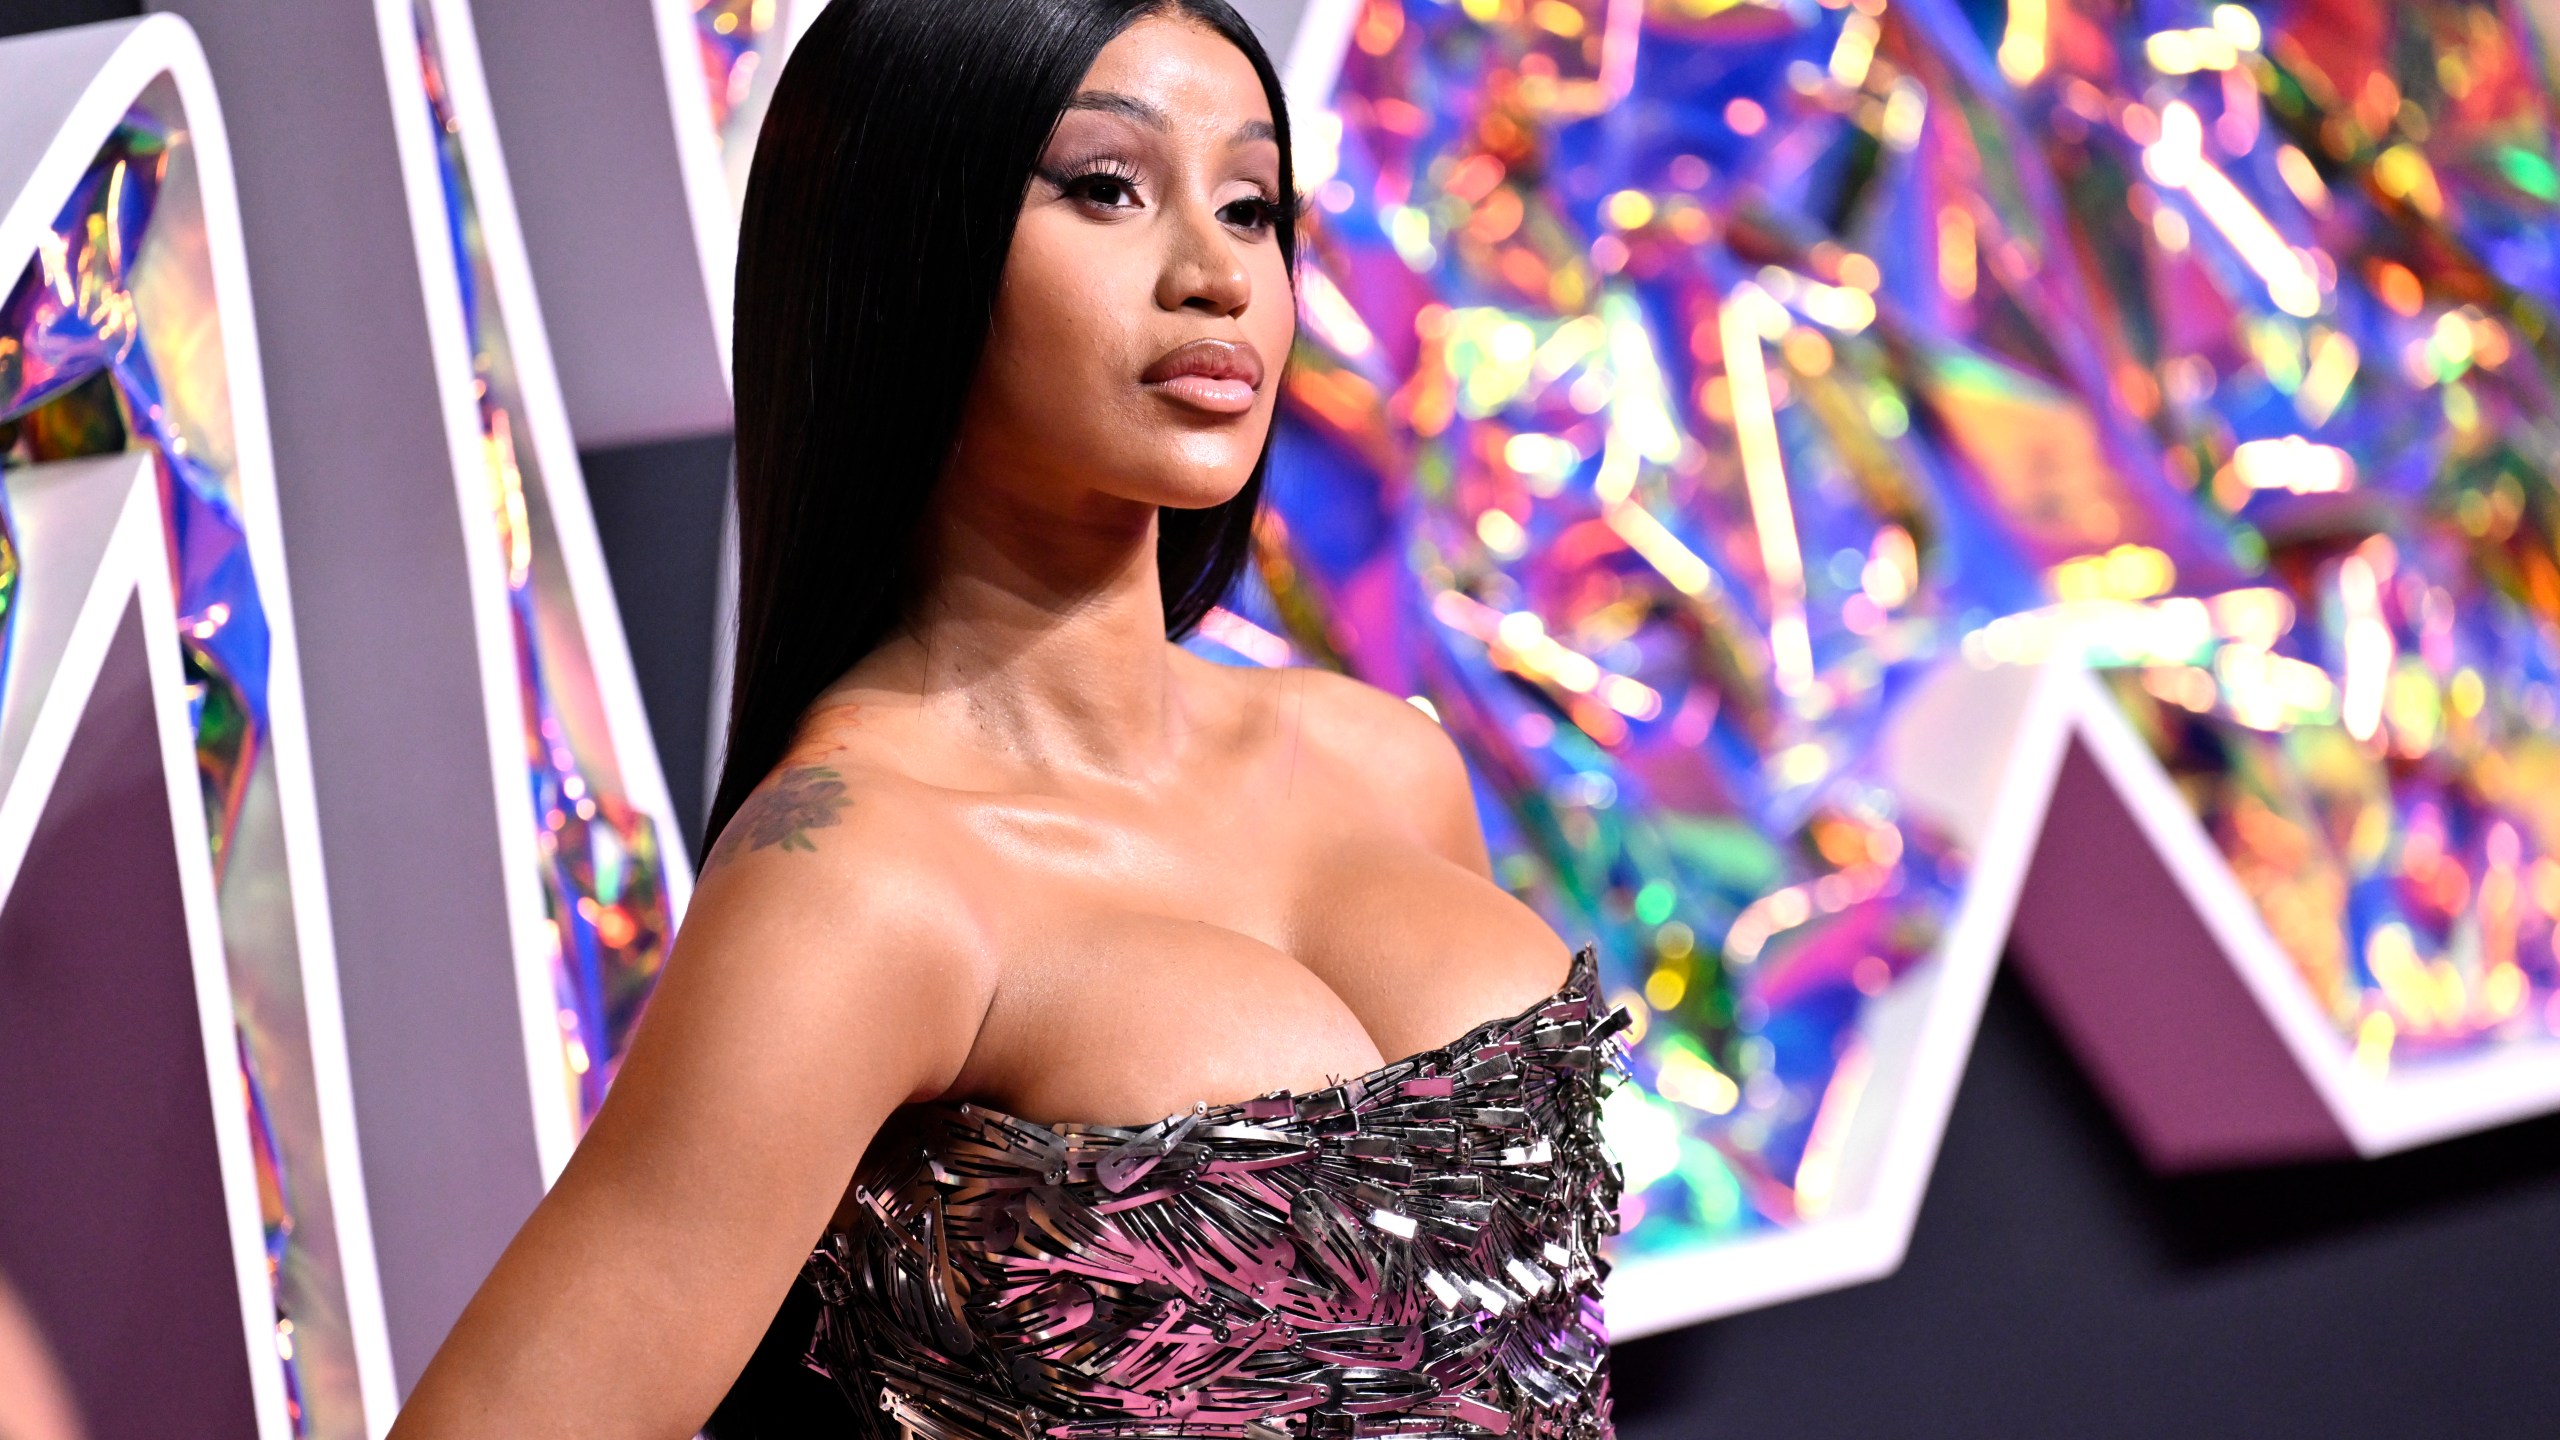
(840, 829)
(1383, 747)
(790, 813)
(1361, 713)
(848, 874)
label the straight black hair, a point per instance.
(895, 155)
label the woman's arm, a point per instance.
(822, 980)
(35, 1403)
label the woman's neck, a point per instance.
(1040, 634)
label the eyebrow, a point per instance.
(1131, 107)
(1128, 106)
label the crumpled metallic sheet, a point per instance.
(1415, 1251)
(80, 375)
(71, 322)
(1612, 443)
(603, 868)
(1679, 377)
(2324, 248)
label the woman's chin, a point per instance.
(1187, 499)
(1187, 487)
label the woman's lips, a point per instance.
(1219, 376)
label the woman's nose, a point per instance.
(1202, 269)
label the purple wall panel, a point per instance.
(111, 1214)
(2138, 985)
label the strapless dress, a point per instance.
(1415, 1251)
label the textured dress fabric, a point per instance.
(1415, 1251)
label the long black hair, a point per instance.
(892, 167)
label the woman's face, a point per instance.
(1146, 311)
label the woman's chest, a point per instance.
(1164, 975)
(1419, 1240)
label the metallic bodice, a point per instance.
(1412, 1252)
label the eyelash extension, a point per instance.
(1098, 168)
(1276, 212)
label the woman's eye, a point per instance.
(1109, 191)
(1252, 213)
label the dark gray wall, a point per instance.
(657, 511)
(19, 17)
(2057, 1291)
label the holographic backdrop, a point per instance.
(8, 589)
(603, 866)
(110, 342)
(743, 43)
(1680, 380)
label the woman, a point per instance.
(994, 857)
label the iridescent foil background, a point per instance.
(742, 44)
(8, 589)
(603, 865)
(1682, 380)
(111, 341)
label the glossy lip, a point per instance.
(1219, 376)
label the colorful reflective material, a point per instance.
(8, 590)
(72, 323)
(275, 1209)
(1628, 494)
(108, 343)
(742, 44)
(603, 871)
(732, 33)
(2332, 252)
(1680, 379)
(1410, 1252)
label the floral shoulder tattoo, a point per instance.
(780, 815)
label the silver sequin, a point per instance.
(1411, 1253)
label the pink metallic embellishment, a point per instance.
(1410, 1252)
